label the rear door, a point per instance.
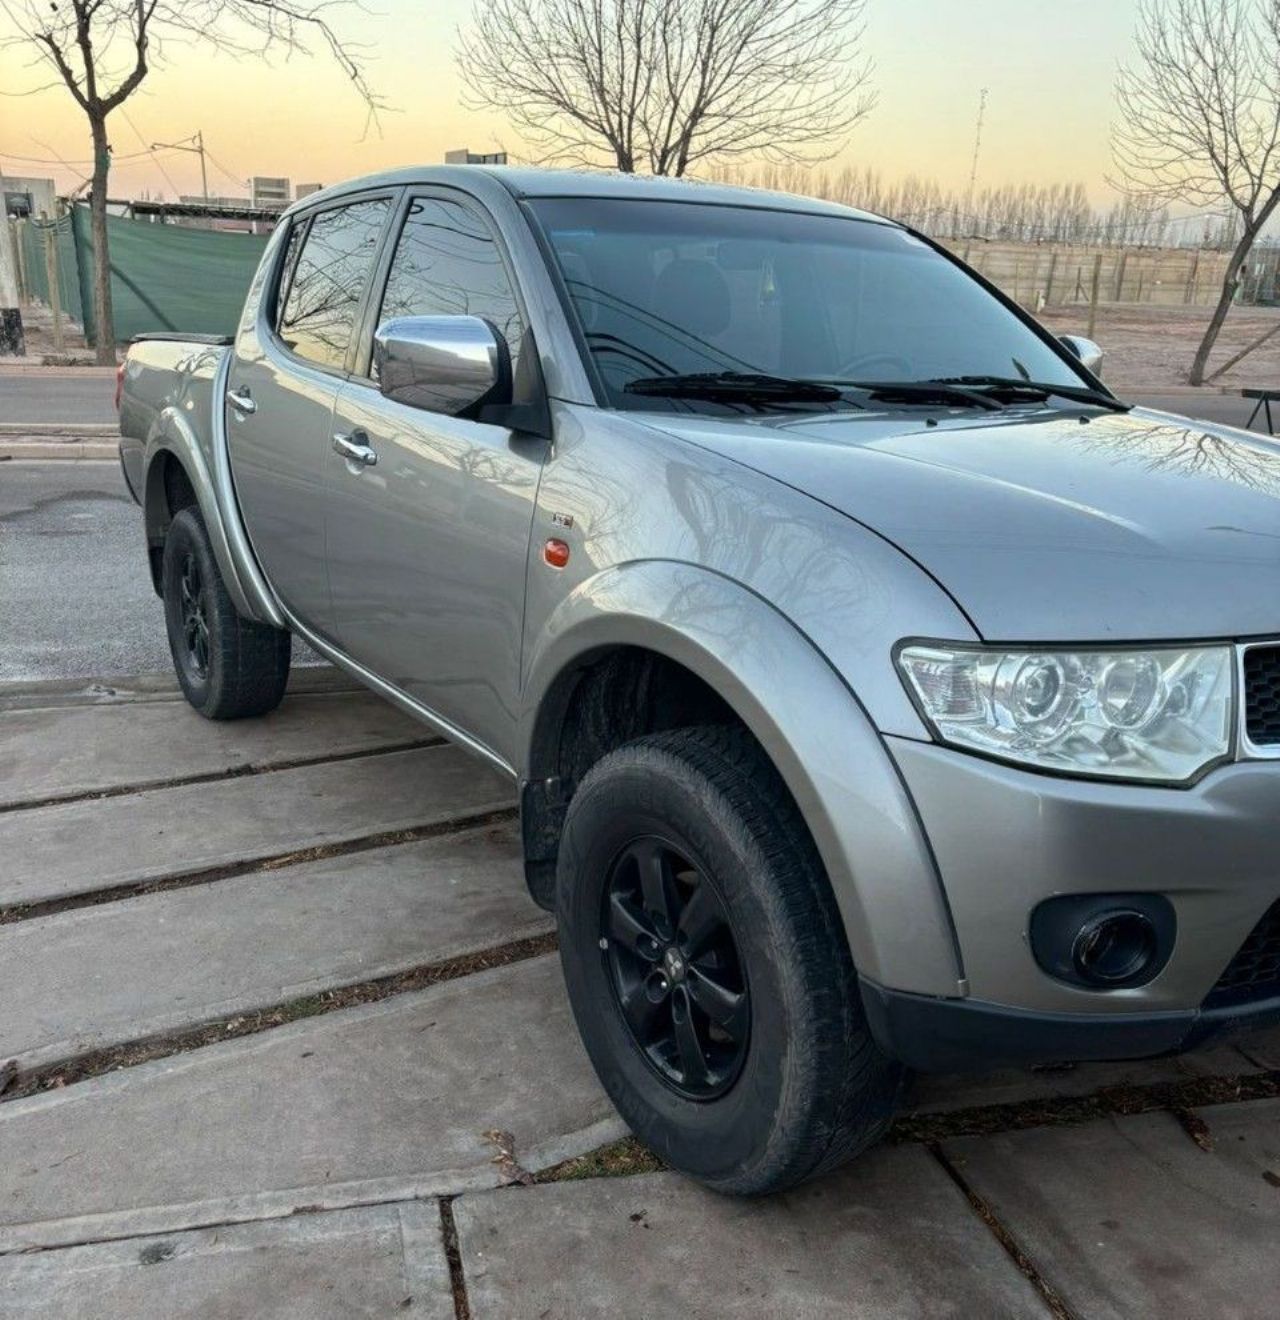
(281, 390)
(427, 547)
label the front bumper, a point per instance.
(1005, 839)
(961, 1035)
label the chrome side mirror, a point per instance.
(443, 364)
(1086, 350)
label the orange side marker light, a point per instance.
(556, 552)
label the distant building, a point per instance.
(227, 203)
(305, 190)
(464, 157)
(25, 197)
(269, 194)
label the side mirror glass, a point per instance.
(443, 364)
(1086, 350)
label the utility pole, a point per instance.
(977, 147)
(185, 145)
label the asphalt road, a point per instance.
(75, 595)
(32, 396)
(1226, 409)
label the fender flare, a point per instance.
(210, 477)
(809, 723)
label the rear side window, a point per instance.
(329, 276)
(287, 267)
(447, 263)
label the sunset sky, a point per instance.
(1049, 68)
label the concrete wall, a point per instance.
(41, 191)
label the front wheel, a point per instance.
(228, 667)
(708, 969)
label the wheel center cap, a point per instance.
(673, 963)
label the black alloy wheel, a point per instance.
(195, 626)
(228, 666)
(707, 965)
(675, 969)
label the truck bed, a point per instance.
(167, 371)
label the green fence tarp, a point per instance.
(31, 237)
(163, 277)
(170, 277)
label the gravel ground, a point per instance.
(1151, 347)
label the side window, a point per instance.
(447, 264)
(328, 281)
(287, 268)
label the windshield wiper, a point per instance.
(924, 391)
(735, 387)
(1036, 388)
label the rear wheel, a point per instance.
(228, 667)
(708, 968)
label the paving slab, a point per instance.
(1129, 1217)
(33, 694)
(889, 1236)
(1263, 1047)
(365, 1105)
(116, 972)
(75, 848)
(63, 752)
(377, 1261)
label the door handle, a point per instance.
(239, 399)
(356, 447)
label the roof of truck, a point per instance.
(522, 181)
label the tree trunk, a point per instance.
(1253, 226)
(1230, 282)
(105, 337)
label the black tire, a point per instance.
(228, 667)
(810, 1089)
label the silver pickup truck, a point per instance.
(880, 691)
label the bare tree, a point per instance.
(661, 85)
(102, 50)
(1199, 120)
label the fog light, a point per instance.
(1103, 942)
(1114, 946)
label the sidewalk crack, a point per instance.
(453, 1254)
(983, 1209)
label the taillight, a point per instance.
(119, 384)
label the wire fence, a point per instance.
(1038, 274)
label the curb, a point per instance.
(83, 450)
(79, 430)
(52, 369)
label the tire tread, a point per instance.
(852, 1087)
(248, 661)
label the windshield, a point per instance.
(685, 288)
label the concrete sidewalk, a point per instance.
(290, 1040)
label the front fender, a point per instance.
(808, 722)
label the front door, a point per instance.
(427, 546)
(281, 390)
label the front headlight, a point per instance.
(1153, 714)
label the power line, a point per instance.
(235, 178)
(151, 152)
(70, 164)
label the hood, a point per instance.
(1047, 525)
